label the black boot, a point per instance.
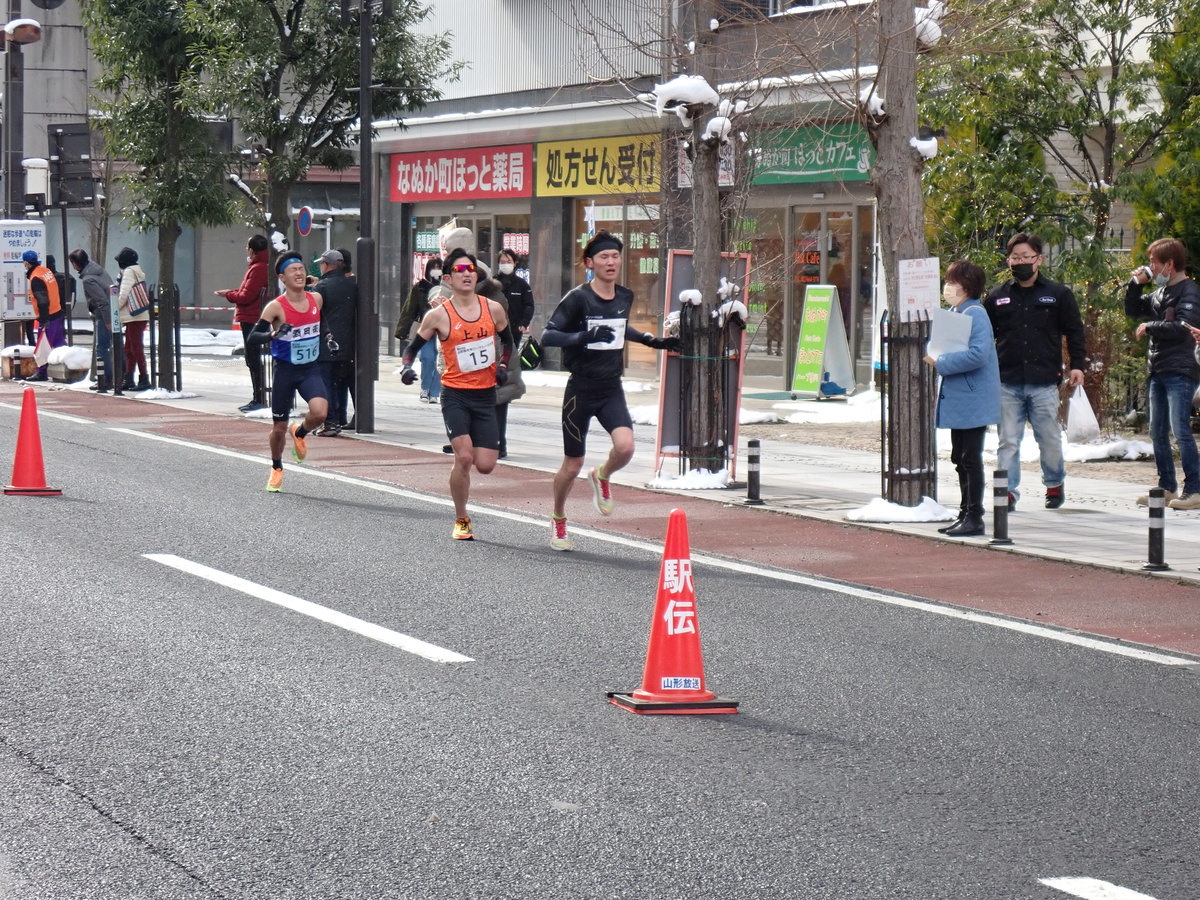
(143, 384)
(127, 384)
(972, 523)
(970, 526)
(963, 494)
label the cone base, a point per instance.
(627, 702)
(33, 491)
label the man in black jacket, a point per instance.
(1030, 317)
(340, 295)
(1173, 308)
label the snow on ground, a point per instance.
(696, 480)
(880, 510)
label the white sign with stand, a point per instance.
(17, 236)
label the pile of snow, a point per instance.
(880, 510)
(77, 358)
(17, 351)
(696, 480)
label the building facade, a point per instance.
(544, 139)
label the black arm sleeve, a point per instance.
(261, 334)
(410, 352)
(506, 344)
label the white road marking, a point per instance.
(66, 417)
(1093, 889)
(966, 615)
(304, 607)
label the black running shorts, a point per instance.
(579, 407)
(288, 380)
(471, 411)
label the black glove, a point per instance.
(673, 344)
(600, 334)
(408, 375)
(283, 329)
(501, 375)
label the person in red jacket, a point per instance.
(250, 299)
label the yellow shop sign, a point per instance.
(622, 165)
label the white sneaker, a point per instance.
(424, 396)
(601, 495)
(559, 539)
(1186, 501)
(1168, 496)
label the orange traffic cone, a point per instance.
(673, 681)
(29, 475)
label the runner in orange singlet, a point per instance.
(467, 326)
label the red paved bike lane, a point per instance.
(1140, 609)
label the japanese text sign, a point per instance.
(476, 173)
(920, 283)
(625, 165)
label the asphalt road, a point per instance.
(164, 735)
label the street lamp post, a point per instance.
(17, 33)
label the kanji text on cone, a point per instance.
(29, 473)
(673, 680)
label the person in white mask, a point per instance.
(516, 289)
(969, 394)
(411, 314)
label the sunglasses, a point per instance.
(462, 267)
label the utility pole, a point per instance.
(366, 356)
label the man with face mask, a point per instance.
(1173, 308)
(1030, 317)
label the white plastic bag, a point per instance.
(1081, 421)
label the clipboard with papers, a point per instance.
(949, 332)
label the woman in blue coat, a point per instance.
(969, 397)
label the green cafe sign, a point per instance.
(840, 152)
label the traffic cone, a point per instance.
(29, 474)
(673, 680)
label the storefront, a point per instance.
(810, 220)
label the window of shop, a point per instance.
(763, 234)
(836, 246)
(637, 224)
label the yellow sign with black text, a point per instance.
(621, 165)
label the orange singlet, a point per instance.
(470, 350)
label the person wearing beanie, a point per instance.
(134, 325)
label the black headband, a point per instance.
(607, 243)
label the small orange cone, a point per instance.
(673, 681)
(29, 474)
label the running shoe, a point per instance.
(299, 445)
(600, 492)
(275, 482)
(462, 529)
(559, 539)
(424, 396)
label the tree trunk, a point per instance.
(911, 461)
(168, 236)
(703, 444)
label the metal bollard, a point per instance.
(1000, 507)
(1158, 522)
(752, 474)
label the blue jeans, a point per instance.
(430, 380)
(1171, 413)
(103, 341)
(1036, 404)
